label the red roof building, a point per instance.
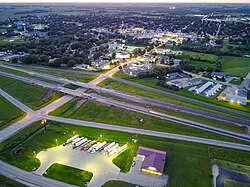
(154, 160)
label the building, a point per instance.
(204, 87)
(218, 75)
(122, 55)
(153, 160)
(236, 95)
(174, 75)
(194, 81)
(21, 25)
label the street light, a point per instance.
(56, 143)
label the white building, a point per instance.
(236, 95)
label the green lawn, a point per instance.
(7, 182)
(236, 82)
(9, 113)
(235, 66)
(68, 174)
(201, 64)
(231, 183)
(201, 56)
(92, 111)
(187, 164)
(118, 183)
(32, 95)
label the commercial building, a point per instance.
(153, 160)
(204, 87)
(218, 75)
(236, 95)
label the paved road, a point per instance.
(150, 133)
(51, 69)
(140, 99)
(28, 178)
(230, 174)
(246, 82)
(171, 118)
(184, 98)
(14, 101)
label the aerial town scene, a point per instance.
(125, 93)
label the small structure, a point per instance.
(122, 54)
(194, 81)
(153, 160)
(174, 75)
(218, 75)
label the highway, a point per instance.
(150, 133)
(134, 98)
(183, 98)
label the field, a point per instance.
(235, 66)
(68, 174)
(118, 183)
(32, 95)
(67, 75)
(92, 111)
(9, 40)
(201, 64)
(9, 113)
(230, 183)
(201, 56)
(152, 82)
(6, 182)
(188, 164)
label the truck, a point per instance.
(70, 140)
(83, 146)
(110, 145)
(112, 152)
(100, 146)
(80, 143)
(92, 147)
(89, 145)
(121, 149)
(112, 148)
(75, 142)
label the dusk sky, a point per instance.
(127, 1)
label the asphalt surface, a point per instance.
(28, 178)
(230, 174)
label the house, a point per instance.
(115, 46)
(236, 95)
(21, 25)
(177, 62)
(85, 66)
(122, 55)
(218, 75)
(153, 160)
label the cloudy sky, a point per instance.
(128, 1)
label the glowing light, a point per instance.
(232, 101)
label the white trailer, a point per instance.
(112, 148)
(71, 139)
(110, 145)
(80, 143)
(121, 149)
(100, 145)
(77, 140)
(92, 147)
(85, 144)
(112, 152)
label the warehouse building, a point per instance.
(153, 160)
(236, 95)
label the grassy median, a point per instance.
(68, 174)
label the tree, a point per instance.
(113, 55)
(14, 60)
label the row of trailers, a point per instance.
(94, 146)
